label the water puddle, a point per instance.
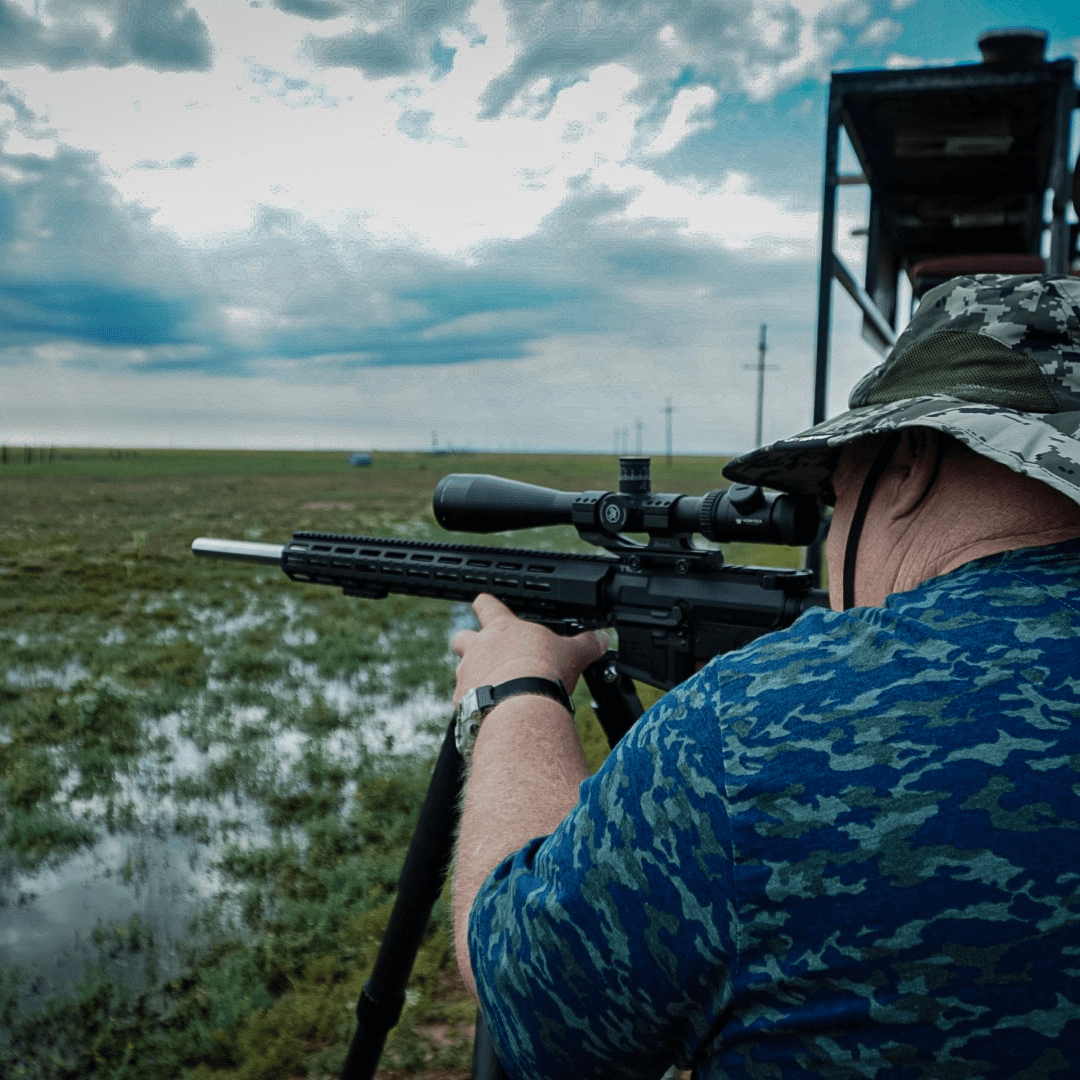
(127, 900)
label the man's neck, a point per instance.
(975, 508)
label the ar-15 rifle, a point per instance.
(672, 603)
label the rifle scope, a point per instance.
(471, 502)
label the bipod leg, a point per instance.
(424, 873)
(485, 1062)
(421, 881)
(615, 699)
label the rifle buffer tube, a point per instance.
(471, 502)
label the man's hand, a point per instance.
(507, 647)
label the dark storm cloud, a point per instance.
(165, 35)
(387, 39)
(92, 312)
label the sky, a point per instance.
(522, 225)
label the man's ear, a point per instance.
(912, 471)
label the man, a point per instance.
(851, 849)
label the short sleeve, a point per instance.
(606, 948)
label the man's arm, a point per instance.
(527, 763)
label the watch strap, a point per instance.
(482, 699)
(549, 688)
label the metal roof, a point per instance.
(959, 158)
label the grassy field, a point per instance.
(209, 774)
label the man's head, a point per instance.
(986, 376)
(992, 360)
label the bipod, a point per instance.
(423, 875)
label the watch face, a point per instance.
(467, 730)
(468, 723)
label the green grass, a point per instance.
(278, 737)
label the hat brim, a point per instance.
(1045, 446)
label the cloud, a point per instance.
(184, 161)
(880, 32)
(386, 39)
(78, 264)
(689, 112)
(164, 35)
(290, 90)
(757, 48)
(310, 9)
(90, 312)
(291, 299)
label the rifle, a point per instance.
(673, 604)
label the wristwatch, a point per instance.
(476, 703)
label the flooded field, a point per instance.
(209, 774)
(151, 835)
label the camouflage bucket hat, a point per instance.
(992, 360)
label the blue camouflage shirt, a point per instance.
(851, 849)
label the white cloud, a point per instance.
(689, 113)
(730, 213)
(880, 32)
(897, 61)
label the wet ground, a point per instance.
(197, 791)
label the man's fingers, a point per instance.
(488, 608)
(460, 641)
(595, 643)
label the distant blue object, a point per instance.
(359, 459)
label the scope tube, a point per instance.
(471, 502)
(474, 502)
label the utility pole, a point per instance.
(761, 368)
(760, 384)
(667, 417)
(639, 426)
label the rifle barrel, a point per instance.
(241, 550)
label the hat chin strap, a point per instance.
(858, 519)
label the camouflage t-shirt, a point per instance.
(851, 849)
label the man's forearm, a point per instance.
(527, 766)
